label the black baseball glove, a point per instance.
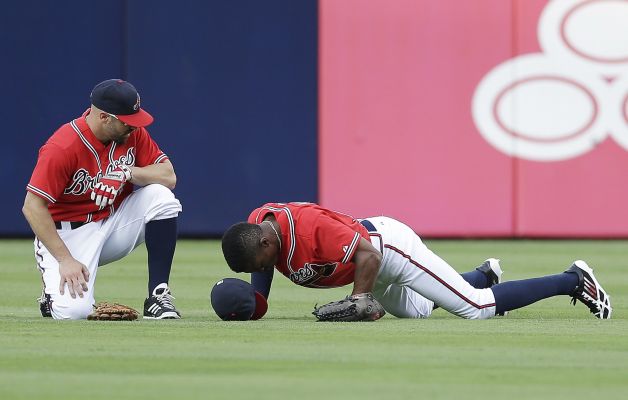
(359, 307)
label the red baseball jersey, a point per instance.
(73, 160)
(317, 244)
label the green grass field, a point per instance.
(550, 350)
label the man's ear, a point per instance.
(264, 242)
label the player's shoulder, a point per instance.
(141, 135)
(306, 209)
(63, 138)
(292, 211)
(257, 215)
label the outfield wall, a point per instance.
(463, 118)
(476, 118)
(232, 86)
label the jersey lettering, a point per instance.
(82, 181)
(126, 159)
(312, 272)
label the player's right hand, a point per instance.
(75, 275)
(104, 194)
(106, 190)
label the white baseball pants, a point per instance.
(102, 242)
(412, 278)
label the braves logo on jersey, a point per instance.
(310, 273)
(82, 182)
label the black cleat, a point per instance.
(589, 291)
(159, 305)
(45, 305)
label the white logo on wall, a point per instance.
(561, 103)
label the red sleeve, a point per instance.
(333, 240)
(52, 173)
(258, 214)
(253, 216)
(147, 151)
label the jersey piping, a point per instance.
(86, 143)
(350, 249)
(41, 193)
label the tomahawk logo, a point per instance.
(563, 102)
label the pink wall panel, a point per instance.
(585, 195)
(451, 116)
(396, 79)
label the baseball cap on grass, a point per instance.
(236, 300)
(120, 98)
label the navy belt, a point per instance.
(368, 225)
(73, 224)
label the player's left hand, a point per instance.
(75, 274)
(106, 190)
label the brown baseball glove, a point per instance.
(105, 311)
(359, 307)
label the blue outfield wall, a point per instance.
(232, 86)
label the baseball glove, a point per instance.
(112, 312)
(359, 307)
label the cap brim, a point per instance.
(139, 119)
(261, 306)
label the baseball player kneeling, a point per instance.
(82, 208)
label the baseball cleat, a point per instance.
(589, 291)
(45, 305)
(492, 270)
(159, 305)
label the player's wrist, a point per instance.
(64, 258)
(128, 172)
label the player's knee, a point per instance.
(158, 191)
(475, 314)
(78, 308)
(471, 315)
(163, 202)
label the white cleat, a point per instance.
(494, 272)
(590, 292)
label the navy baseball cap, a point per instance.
(236, 300)
(121, 99)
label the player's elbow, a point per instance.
(31, 203)
(371, 261)
(25, 210)
(376, 258)
(171, 181)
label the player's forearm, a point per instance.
(44, 228)
(366, 273)
(367, 261)
(161, 173)
(262, 281)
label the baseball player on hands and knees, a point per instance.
(319, 248)
(82, 208)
